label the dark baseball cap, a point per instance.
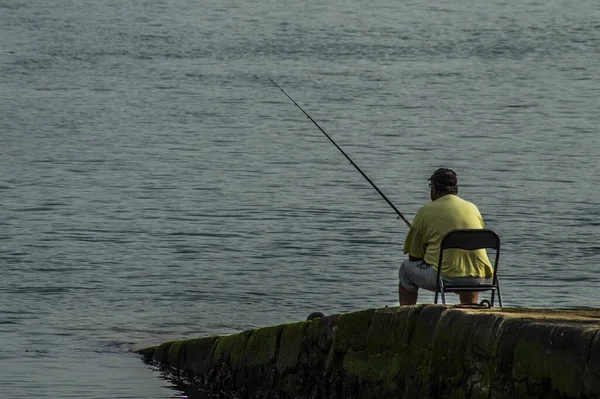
(445, 177)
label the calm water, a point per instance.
(155, 185)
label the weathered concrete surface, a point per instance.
(424, 351)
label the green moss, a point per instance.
(425, 325)
(176, 354)
(313, 329)
(319, 333)
(199, 354)
(483, 352)
(351, 331)
(147, 353)
(232, 347)
(594, 365)
(160, 354)
(459, 393)
(573, 345)
(262, 346)
(419, 379)
(529, 355)
(450, 353)
(382, 369)
(290, 346)
(485, 326)
(479, 389)
(391, 329)
(289, 384)
(565, 375)
(554, 358)
(506, 337)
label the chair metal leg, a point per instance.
(499, 295)
(440, 288)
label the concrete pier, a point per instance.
(423, 351)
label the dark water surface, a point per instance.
(155, 185)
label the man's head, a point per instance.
(443, 181)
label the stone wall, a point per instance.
(424, 351)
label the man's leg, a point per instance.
(407, 297)
(469, 297)
(414, 274)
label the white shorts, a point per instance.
(415, 274)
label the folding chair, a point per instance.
(470, 239)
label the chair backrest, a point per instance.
(471, 239)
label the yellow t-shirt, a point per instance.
(432, 221)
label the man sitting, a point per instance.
(445, 212)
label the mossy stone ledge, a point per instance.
(422, 351)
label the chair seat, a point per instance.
(472, 288)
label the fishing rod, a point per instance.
(400, 216)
